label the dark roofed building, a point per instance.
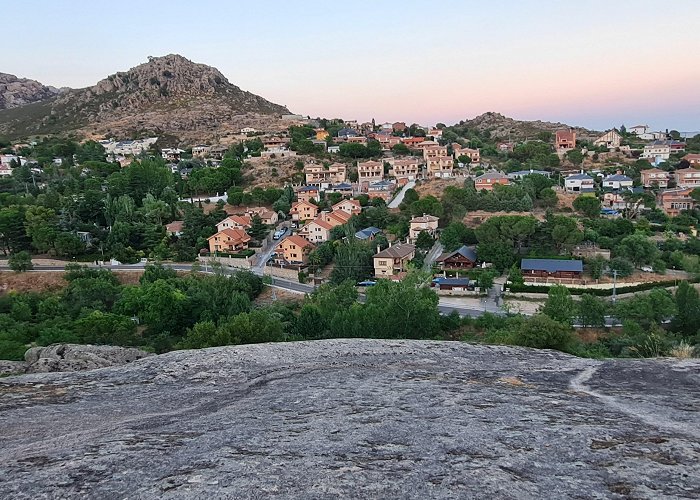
(368, 233)
(453, 284)
(554, 268)
(462, 258)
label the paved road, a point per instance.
(399, 197)
(292, 286)
(432, 254)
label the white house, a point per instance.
(610, 139)
(248, 130)
(657, 151)
(617, 181)
(579, 183)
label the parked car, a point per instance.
(295, 224)
(278, 234)
(647, 269)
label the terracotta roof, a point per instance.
(399, 251)
(241, 220)
(237, 235)
(356, 203)
(298, 241)
(175, 226)
(320, 222)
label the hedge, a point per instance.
(601, 292)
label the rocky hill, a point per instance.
(15, 92)
(166, 95)
(504, 127)
(355, 419)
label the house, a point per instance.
(506, 147)
(347, 132)
(278, 152)
(520, 174)
(234, 222)
(268, 217)
(462, 258)
(333, 149)
(323, 176)
(427, 223)
(228, 241)
(454, 284)
(308, 193)
(399, 127)
(200, 150)
(693, 159)
(488, 180)
(638, 129)
(434, 132)
(615, 201)
(413, 142)
(659, 151)
(687, 177)
(565, 140)
(617, 181)
(408, 168)
(439, 166)
(381, 189)
(295, 249)
(655, 177)
(393, 260)
(434, 151)
(474, 155)
(579, 183)
(611, 140)
(218, 152)
(369, 172)
(368, 233)
(673, 201)
(352, 207)
(357, 140)
(316, 231)
(551, 268)
(248, 130)
(336, 217)
(171, 154)
(303, 210)
(342, 188)
(5, 171)
(174, 228)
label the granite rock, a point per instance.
(355, 418)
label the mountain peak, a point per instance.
(15, 92)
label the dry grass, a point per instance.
(514, 381)
(683, 351)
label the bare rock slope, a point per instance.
(167, 95)
(16, 91)
(504, 127)
(355, 418)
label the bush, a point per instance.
(542, 332)
(20, 262)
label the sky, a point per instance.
(591, 63)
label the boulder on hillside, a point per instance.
(75, 357)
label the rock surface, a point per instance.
(505, 127)
(71, 358)
(355, 418)
(167, 95)
(16, 92)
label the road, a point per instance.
(432, 254)
(399, 197)
(444, 306)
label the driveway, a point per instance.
(399, 197)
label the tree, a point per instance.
(596, 266)
(575, 156)
(543, 332)
(588, 206)
(257, 230)
(687, 320)
(559, 305)
(623, 267)
(20, 262)
(400, 149)
(639, 249)
(648, 309)
(455, 235)
(68, 245)
(424, 241)
(591, 311)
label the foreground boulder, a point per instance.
(355, 418)
(75, 357)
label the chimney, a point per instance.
(379, 249)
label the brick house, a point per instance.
(369, 172)
(295, 249)
(228, 241)
(687, 177)
(674, 201)
(404, 168)
(565, 140)
(655, 177)
(473, 154)
(488, 180)
(693, 159)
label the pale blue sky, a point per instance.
(593, 63)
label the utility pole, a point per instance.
(614, 294)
